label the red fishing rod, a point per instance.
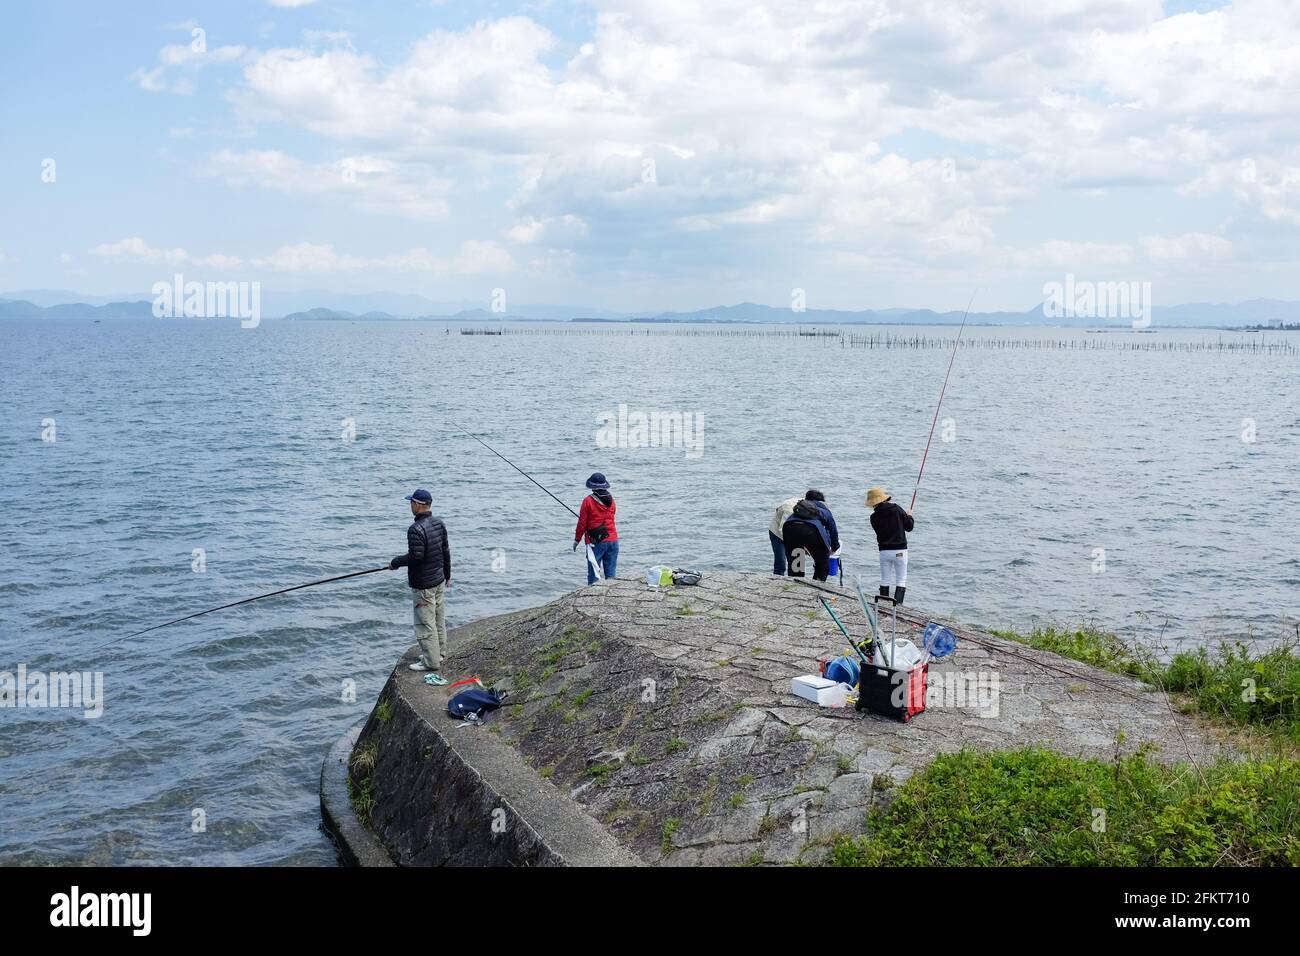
(952, 359)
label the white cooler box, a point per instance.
(819, 690)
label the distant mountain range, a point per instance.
(387, 306)
(281, 304)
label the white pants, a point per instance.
(893, 568)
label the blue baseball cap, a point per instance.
(422, 496)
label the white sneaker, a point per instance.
(419, 664)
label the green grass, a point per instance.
(364, 757)
(666, 837)
(384, 711)
(1239, 686)
(361, 794)
(706, 799)
(1087, 644)
(1235, 684)
(1038, 807)
(556, 651)
(674, 745)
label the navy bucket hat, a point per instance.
(597, 482)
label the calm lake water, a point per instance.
(172, 437)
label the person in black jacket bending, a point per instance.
(810, 530)
(428, 571)
(891, 524)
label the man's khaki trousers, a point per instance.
(431, 624)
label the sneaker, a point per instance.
(419, 664)
(435, 679)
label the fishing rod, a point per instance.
(967, 637)
(591, 554)
(188, 617)
(847, 635)
(340, 577)
(514, 466)
(952, 359)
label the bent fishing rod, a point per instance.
(340, 577)
(591, 554)
(514, 466)
(953, 358)
(259, 597)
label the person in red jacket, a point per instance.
(596, 522)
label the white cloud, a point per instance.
(473, 257)
(1195, 247)
(370, 183)
(912, 136)
(136, 250)
(1269, 186)
(178, 63)
(556, 228)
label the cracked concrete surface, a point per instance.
(667, 714)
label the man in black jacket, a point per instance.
(428, 571)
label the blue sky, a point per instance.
(635, 155)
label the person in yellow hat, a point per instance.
(891, 523)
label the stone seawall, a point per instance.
(657, 726)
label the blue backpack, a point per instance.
(473, 703)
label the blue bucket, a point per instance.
(835, 567)
(843, 670)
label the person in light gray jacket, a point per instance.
(775, 535)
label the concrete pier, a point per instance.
(657, 727)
